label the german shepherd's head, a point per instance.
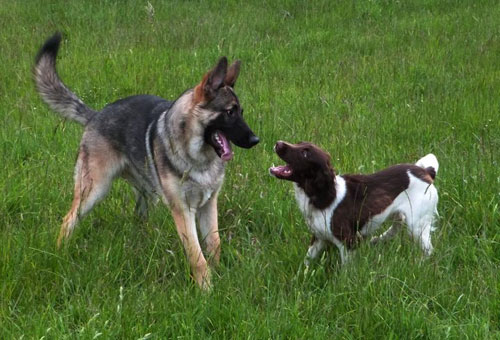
(214, 99)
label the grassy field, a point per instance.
(373, 82)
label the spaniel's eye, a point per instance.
(305, 153)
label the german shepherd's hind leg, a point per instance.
(209, 229)
(184, 219)
(141, 203)
(96, 166)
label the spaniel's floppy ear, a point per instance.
(232, 73)
(211, 82)
(321, 188)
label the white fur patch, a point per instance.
(417, 205)
(319, 221)
(414, 203)
(428, 160)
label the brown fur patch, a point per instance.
(367, 196)
(427, 175)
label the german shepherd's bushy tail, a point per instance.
(52, 89)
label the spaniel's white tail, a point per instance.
(429, 163)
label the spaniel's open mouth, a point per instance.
(282, 171)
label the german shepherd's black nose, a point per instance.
(254, 140)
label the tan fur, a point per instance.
(97, 164)
(199, 93)
(427, 178)
(185, 223)
(207, 216)
(189, 201)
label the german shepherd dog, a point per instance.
(175, 151)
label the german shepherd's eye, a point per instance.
(232, 111)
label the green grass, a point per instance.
(373, 82)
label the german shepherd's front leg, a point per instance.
(207, 218)
(186, 228)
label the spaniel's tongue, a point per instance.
(227, 152)
(280, 171)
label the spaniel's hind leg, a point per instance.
(396, 226)
(421, 233)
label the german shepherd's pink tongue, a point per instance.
(227, 152)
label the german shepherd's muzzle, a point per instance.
(229, 124)
(175, 151)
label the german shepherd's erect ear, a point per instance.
(232, 73)
(212, 81)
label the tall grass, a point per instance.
(373, 82)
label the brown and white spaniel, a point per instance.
(343, 209)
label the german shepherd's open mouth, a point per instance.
(219, 136)
(221, 145)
